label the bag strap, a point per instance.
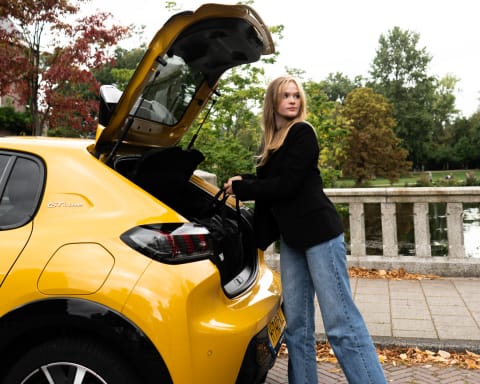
(219, 202)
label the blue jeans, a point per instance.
(322, 270)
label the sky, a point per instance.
(323, 37)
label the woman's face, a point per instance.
(289, 102)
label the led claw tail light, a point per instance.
(173, 243)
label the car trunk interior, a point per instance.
(166, 174)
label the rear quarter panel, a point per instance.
(84, 202)
(201, 334)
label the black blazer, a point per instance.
(289, 197)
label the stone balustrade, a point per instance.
(453, 264)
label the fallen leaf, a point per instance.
(444, 354)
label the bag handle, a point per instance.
(219, 201)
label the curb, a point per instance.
(455, 345)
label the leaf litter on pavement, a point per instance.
(397, 274)
(410, 356)
(401, 355)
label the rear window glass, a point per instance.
(169, 91)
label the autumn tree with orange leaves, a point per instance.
(55, 80)
(373, 149)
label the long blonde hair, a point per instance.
(273, 136)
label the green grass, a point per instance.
(438, 179)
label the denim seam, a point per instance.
(342, 295)
(305, 334)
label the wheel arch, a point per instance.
(39, 321)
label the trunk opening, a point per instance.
(165, 173)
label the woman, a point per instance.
(290, 205)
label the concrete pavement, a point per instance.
(433, 314)
(443, 312)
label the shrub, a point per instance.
(17, 123)
(471, 179)
(425, 180)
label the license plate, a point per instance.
(276, 330)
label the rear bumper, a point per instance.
(259, 358)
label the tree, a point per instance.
(331, 128)
(444, 117)
(474, 135)
(443, 107)
(373, 149)
(121, 69)
(231, 133)
(464, 151)
(337, 86)
(225, 157)
(399, 72)
(58, 82)
(10, 51)
(457, 145)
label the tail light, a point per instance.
(174, 243)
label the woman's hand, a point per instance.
(228, 184)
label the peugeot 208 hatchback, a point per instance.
(106, 277)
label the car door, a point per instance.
(21, 185)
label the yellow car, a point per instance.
(106, 274)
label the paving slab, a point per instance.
(433, 314)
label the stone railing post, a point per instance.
(389, 229)
(357, 229)
(422, 230)
(456, 247)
